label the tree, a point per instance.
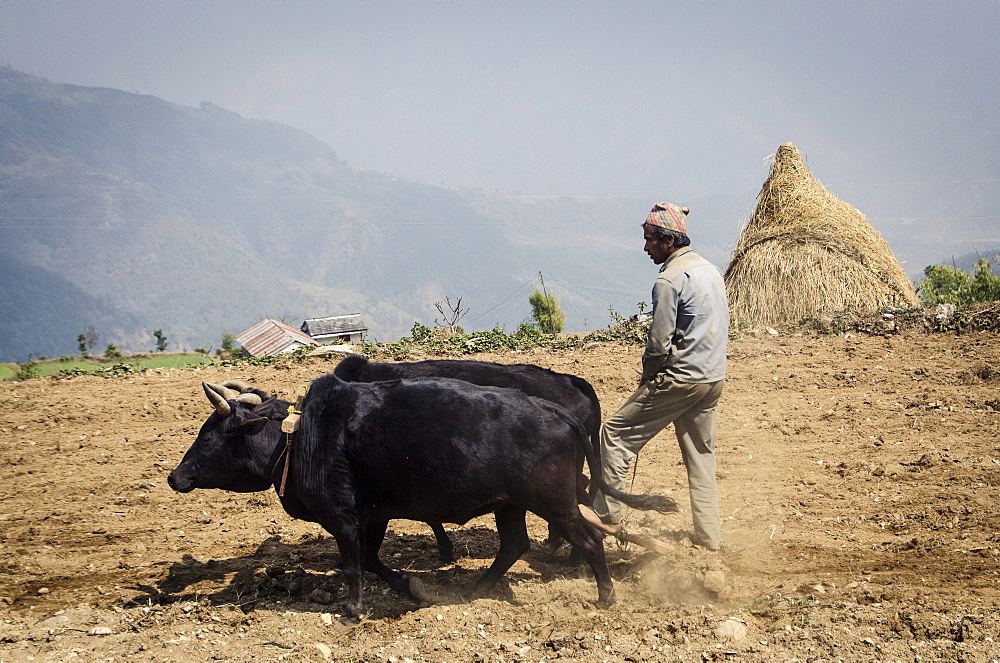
(112, 351)
(450, 319)
(87, 340)
(547, 313)
(985, 284)
(950, 285)
(228, 342)
(161, 340)
(229, 345)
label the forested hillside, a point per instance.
(128, 213)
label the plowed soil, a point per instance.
(859, 482)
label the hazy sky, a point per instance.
(896, 104)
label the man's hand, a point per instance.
(642, 380)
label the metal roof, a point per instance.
(334, 325)
(269, 337)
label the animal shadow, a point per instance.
(303, 576)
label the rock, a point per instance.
(100, 630)
(321, 596)
(733, 629)
(715, 581)
(324, 650)
(55, 621)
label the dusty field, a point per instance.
(859, 480)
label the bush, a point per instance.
(547, 313)
(27, 370)
(228, 342)
(950, 285)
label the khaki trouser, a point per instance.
(653, 406)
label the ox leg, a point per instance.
(374, 535)
(585, 538)
(446, 550)
(513, 543)
(349, 544)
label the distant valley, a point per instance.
(127, 213)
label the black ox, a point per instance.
(274, 410)
(428, 449)
(570, 391)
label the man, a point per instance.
(683, 370)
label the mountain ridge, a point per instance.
(198, 221)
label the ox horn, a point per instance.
(246, 396)
(218, 397)
(249, 399)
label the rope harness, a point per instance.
(622, 536)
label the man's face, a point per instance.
(657, 249)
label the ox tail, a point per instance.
(642, 501)
(593, 425)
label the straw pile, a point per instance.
(805, 253)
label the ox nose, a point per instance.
(179, 484)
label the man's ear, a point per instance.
(253, 426)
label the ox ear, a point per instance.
(253, 426)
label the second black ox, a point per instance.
(430, 449)
(570, 391)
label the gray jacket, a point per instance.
(687, 338)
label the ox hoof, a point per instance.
(349, 621)
(606, 601)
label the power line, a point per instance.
(518, 291)
(451, 193)
(570, 286)
(129, 224)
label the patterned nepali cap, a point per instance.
(669, 216)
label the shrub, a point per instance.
(950, 285)
(27, 370)
(547, 313)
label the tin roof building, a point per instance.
(270, 337)
(336, 329)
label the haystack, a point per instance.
(805, 252)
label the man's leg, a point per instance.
(695, 430)
(650, 409)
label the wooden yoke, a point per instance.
(289, 425)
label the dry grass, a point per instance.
(805, 252)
